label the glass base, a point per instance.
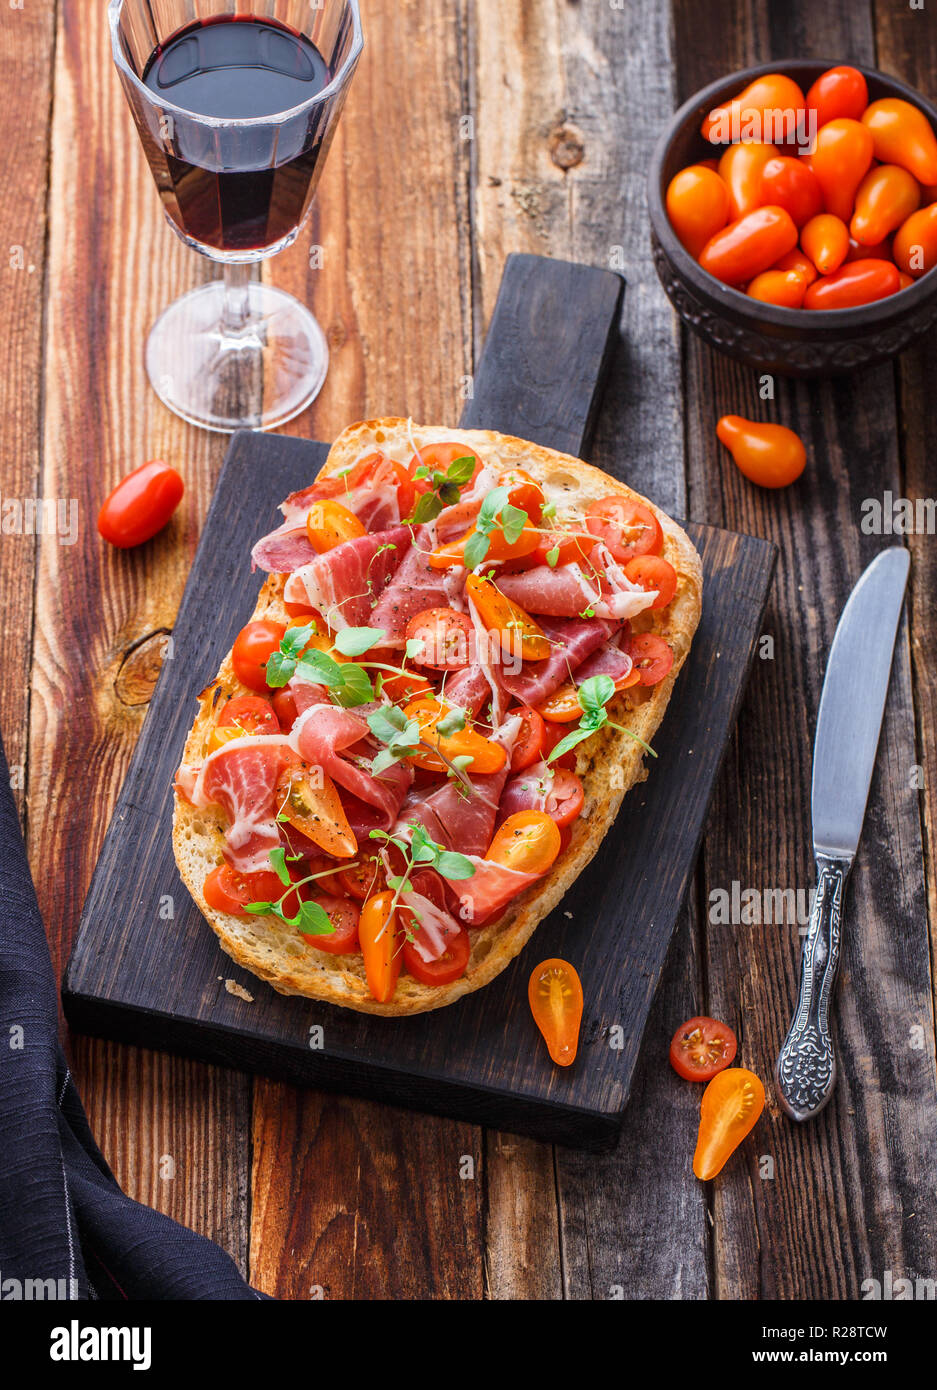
(251, 358)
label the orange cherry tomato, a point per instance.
(841, 161)
(499, 548)
(446, 636)
(444, 969)
(887, 197)
(329, 524)
(653, 572)
(437, 458)
(140, 505)
(697, 204)
(487, 757)
(770, 455)
(790, 183)
(524, 492)
(245, 714)
(381, 945)
(652, 657)
(915, 244)
(309, 800)
(342, 940)
(901, 134)
(825, 239)
(701, 1048)
(732, 1103)
(363, 879)
(740, 169)
(905, 281)
(839, 91)
(625, 526)
(253, 648)
(785, 288)
(515, 628)
(227, 890)
(799, 261)
(528, 841)
(859, 282)
(881, 251)
(749, 245)
(528, 746)
(749, 114)
(555, 996)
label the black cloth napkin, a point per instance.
(63, 1217)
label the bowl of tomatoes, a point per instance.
(793, 211)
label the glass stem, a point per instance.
(236, 314)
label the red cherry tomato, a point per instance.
(227, 890)
(377, 470)
(881, 251)
(697, 204)
(449, 966)
(858, 282)
(841, 161)
(251, 714)
(652, 657)
(750, 245)
(552, 733)
(140, 505)
(253, 648)
(653, 572)
(524, 492)
(770, 455)
(437, 459)
(446, 636)
(790, 183)
(701, 1047)
(528, 746)
(837, 92)
(625, 526)
(284, 706)
(363, 880)
(343, 914)
(566, 797)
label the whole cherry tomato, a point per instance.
(785, 288)
(915, 245)
(770, 455)
(841, 161)
(881, 251)
(750, 245)
(797, 260)
(905, 281)
(768, 100)
(701, 1048)
(837, 92)
(740, 169)
(790, 183)
(732, 1103)
(253, 648)
(886, 197)
(859, 282)
(698, 206)
(825, 239)
(140, 505)
(901, 134)
(555, 996)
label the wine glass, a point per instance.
(236, 108)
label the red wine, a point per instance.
(238, 188)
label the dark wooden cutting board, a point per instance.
(147, 969)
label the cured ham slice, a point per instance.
(323, 733)
(571, 642)
(528, 791)
(470, 689)
(288, 547)
(569, 590)
(241, 778)
(344, 583)
(461, 820)
(488, 891)
(430, 923)
(608, 661)
(415, 587)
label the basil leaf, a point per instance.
(451, 723)
(596, 692)
(461, 470)
(296, 638)
(354, 686)
(427, 508)
(476, 548)
(314, 920)
(278, 860)
(553, 557)
(570, 741)
(452, 865)
(280, 669)
(513, 521)
(355, 641)
(320, 668)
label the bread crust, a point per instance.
(609, 764)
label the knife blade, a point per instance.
(849, 722)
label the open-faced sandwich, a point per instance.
(450, 680)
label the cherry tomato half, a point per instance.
(253, 648)
(363, 879)
(343, 914)
(653, 572)
(376, 471)
(563, 547)
(627, 527)
(652, 657)
(140, 505)
(554, 993)
(446, 968)
(437, 458)
(381, 945)
(528, 746)
(769, 455)
(446, 636)
(528, 841)
(309, 800)
(732, 1103)
(524, 492)
(701, 1048)
(227, 890)
(245, 714)
(329, 524)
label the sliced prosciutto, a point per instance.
(572, 640)
(344, 583)
(430, 923)
(529, 790)
(607, 661)
(336, 740)
(288, 547)
(488, 891)
(570, 590)
(415, 587)
(242, 778)
(469, 689)
(460, 819)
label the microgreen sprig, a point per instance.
(496, 514)
(422, 852)
(311, 918)
(594, 694)
(445, 488)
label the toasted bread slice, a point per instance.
(609, 763)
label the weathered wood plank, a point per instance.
(567, 101)
(836, 1209)
(390, 288)
(113, 264)
(27, 45)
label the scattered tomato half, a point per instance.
(627, 528)
(554, 993)
(446, 636)
(701, 1047)
(140, 505)
(769, 455)
(309, 800)
(253, 648)
(732, 1103)
(343, 914)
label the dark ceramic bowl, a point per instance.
(792, 342)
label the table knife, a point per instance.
(848, 725)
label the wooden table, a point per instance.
(474, 128)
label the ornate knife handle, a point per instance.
(806, 1069)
